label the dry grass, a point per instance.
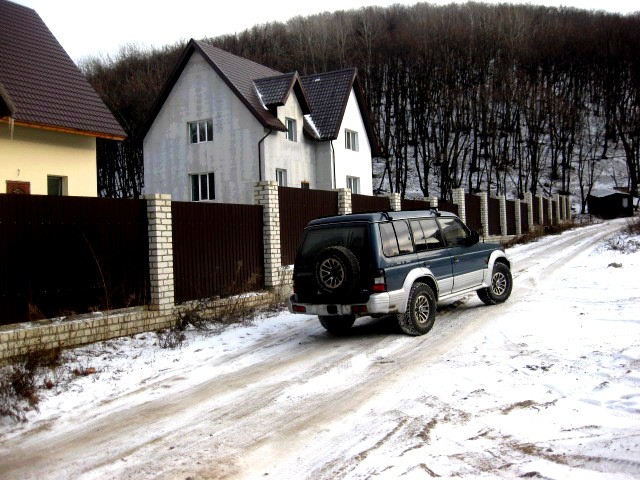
(19, 382)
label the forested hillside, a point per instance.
(505, 98)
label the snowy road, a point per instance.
(546, 385)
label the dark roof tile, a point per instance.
(42, 83)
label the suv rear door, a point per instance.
(398, 254)
(432, 252)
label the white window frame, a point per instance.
(281, 177)
(292, 129)
(351, 140)
(203, 186)
(201, 129)
(353, 184)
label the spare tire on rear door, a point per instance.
(337, 271)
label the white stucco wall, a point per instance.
(169, 157)
(348, 162)
(297, 158)
(34, 153)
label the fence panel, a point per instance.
(494, 216)
(536, 211)
(545, 208)
(61, 256)
(511, 217)
(367, 203)
(447, 206)
(297, 207)
(472, 207)
(217, 249)
(524, 217)
(410, 204)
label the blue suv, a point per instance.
(402, 263)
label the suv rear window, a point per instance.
(352, 237)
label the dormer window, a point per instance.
(201, 131)
(351, 140)
(292, 132)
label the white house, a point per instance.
(223, 123)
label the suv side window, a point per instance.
(432, 234)
(454, 232)
(396, 239)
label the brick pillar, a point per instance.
(540, 209)
(395, 202)
(484, 213)
(518, 218)
(433, 201)
(503, 215)
(266, 194)
(550, 210)
(568, 207)
(160, 251)
(344, 201)
(528, 198)
(556, 200)
(458, 198)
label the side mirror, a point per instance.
(473, 238)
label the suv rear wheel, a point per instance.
(420, 315)
(338, 324)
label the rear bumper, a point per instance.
(378, 303)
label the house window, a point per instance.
(281, 177)
(353, 184)
(292, 132)
(56, 185)
(201, 131)
(351, 140)
(203, 187)
(304, 185)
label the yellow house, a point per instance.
(50, 116)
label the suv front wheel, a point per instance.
(420, 315)
(501, 285)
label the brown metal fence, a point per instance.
(411, 204)
(545, 208)
(217, 249)
(67, 255)
(367, 203)
(536, 211)
(445, 206)
(524, 217)
(494, 216)
(511, 217)
(298, 207)
(472, 207)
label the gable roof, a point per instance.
(323, 97)
(274, 91)
(41, 86)
(329, 94)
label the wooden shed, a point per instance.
(607, 203)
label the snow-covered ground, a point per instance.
(546, 385)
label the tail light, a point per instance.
(379, 282)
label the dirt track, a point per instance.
(281, 407)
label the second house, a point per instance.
(222, 123)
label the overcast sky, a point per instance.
(90, 27)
